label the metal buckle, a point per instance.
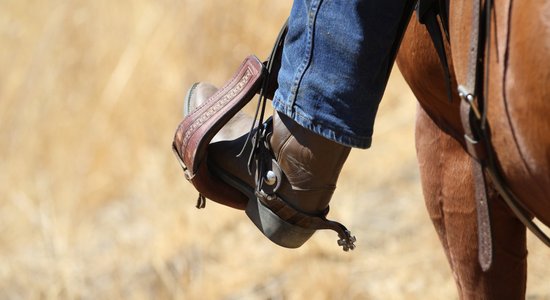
(469, 97)
(470, 139)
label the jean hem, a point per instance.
(324, 130)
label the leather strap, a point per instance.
(427, 12)
(469, 113)
(298, 218)
(477, 137)
(478, 154)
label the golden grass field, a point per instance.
(93, 204)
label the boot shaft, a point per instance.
(310, 162)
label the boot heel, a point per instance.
(276, 229)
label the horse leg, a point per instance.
(447, 184)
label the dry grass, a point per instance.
(93, 205)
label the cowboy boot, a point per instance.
(289, 174)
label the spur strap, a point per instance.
(286, 212)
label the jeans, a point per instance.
(336, 61)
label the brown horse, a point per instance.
(518, 108)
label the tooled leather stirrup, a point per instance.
(198, 128)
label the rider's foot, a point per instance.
(291, 164)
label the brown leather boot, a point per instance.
(288, 175)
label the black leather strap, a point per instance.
(427, 12)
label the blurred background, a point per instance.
(93, 204)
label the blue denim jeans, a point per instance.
(336, 61)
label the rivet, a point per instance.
(270, 178)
